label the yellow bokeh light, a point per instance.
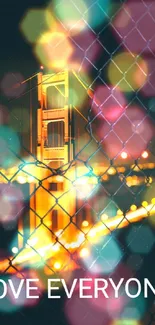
(112, 171)
(85, 223)
(57, 265)
(133, 207)
(104, 217)
(55, 248)
(144, 204)
(153, 201)
(53, 50)
(84, 252)
(21, 179)
(127, 71)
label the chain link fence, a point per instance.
(99, 217)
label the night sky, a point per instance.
(15, 53)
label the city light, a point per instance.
(14, 250)
(133, 207)
(124, 155)
(85, 223)
(21, 179)
(145, 154)
(57, 265)
(153, 201)
(84, 252)
(144, 204)
(104, 217)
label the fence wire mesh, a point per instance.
(94, 212)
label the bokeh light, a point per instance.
(11, 203)
(84, 252)
(145, 154)
(148, 88)
(80, 312)
(110, 102)
(149, 195)
(135, 239)
(6, 305)
(127, 71)
(109, 209)
(36, 22)
(136, 307)
(126, 321)
(9, 147)
(37, 248)
(14, 250)
(124, 155)
(76, 15)
(112, 306)
(86, 49)
(85, 223)
(12, 84)
(57, 265)
(53, 50)
(104, 256)
(130, 23)
(131, 133)
(71, 13)
(85, 186)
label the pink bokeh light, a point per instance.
(129, 26)
(86, 49)
(81, 312)
(131, 133)
(11, 203)
(110, 102)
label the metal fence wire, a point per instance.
(77, 166)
